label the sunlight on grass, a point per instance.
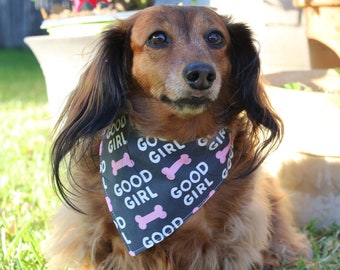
(25, 192)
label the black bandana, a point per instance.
(153, 186)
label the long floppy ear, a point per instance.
(249, 95)
(96, 101)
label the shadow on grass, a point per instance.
(21, 79)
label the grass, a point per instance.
(299, 86)
(25, 192)
(26, 197)
(326, 248)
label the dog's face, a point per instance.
(179, 56)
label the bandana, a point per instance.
(153, 186)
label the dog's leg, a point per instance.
(264, 235)
(65, 244)
(248, 230)
(286, 243)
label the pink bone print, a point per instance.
(125, 161)
(222, 154)
(101, 148)
(157, 213)
(171, 172)
(108, 202)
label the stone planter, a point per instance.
(61, 60)
(63, 54)
(82, 25)
(308, 160)
(323, 31)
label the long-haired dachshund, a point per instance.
(162, 139)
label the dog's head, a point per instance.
(188, 64)
(179, 57)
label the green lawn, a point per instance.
(26, 197)
(25, 192)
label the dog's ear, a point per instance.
(97, 99)
(248, 92)
(245, 73)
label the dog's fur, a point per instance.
(138, 68)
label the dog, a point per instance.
(182, 86)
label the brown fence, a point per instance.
(18, 18)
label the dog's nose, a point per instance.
(199, 76)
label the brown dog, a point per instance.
(184, 75)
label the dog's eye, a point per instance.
(158, 40)
(215, 39)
